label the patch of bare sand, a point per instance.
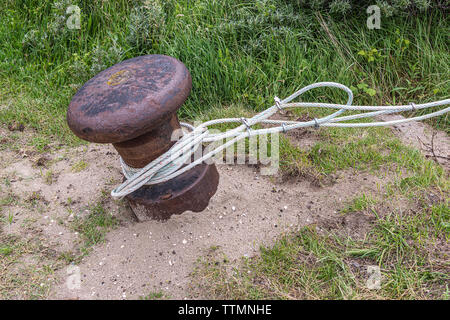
(247, 211)
(46, 204)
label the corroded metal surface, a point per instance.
(133, 106)
(140, 151)
(189, 191)
(129, 99)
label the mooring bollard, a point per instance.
(133, 105)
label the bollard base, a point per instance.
(189, 191)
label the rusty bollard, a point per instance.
(133, 105)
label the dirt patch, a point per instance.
(139, 258)
(249, 210)
(302, 138)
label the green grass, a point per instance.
(8, 199)
(94, 226)
(10, 143)
(40, 143)
(92, 229)
(19, 279)
(79, 166)
(157, 295)
(359, 203)
(238, 52)
(295, 162)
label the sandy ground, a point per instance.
(248, 210)
(139, 257)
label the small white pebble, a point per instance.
(122, 246)
(285, 207)
(184, 241)
(233, 208)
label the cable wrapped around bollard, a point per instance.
(170, 164)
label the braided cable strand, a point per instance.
(171, 164)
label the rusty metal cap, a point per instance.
(129, 99)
